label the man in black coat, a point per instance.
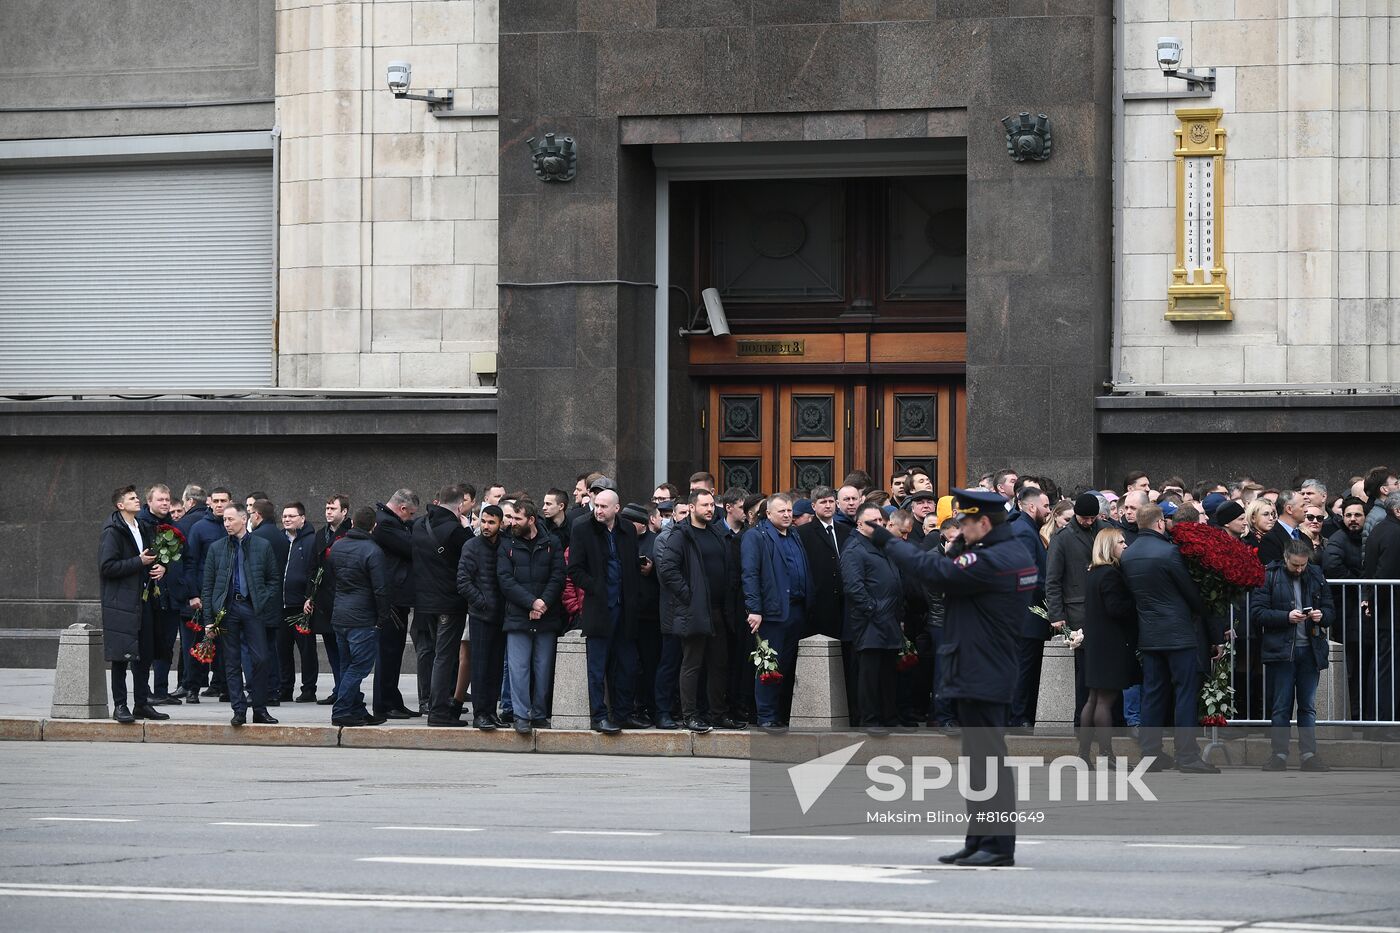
(300, 536)
(603, 565)
(262, 522)
(697, 573)
(392, 534)
(438, 538)
(320, 595)
(1066, 573)
(164, 600)
(530, 570)
(643, 518)
(1344, 558)
(479, 586)
(1170, 638)
(128, 570)
(194, 675)
(1032, 506)
(361, 609)
(822, 539)
(874, 607)
(1382, 562)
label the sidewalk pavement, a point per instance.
(26, 695)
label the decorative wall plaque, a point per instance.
(771, 348)
(1198, 290)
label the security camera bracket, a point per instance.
(1195, 81)
(436, 101)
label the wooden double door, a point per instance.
(768, 436)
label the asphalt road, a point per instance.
(164, 837)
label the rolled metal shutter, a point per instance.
(142, 278)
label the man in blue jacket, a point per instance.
(1171, 640)
(241, 580)
(1294, 610)
(1032, 507)
(988, 588)
(202, 533)
(777, 593)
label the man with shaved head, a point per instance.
(603, 564)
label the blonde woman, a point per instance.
(1110, 642)
(1260, 517)
(1059, 518)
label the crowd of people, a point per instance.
(692, 600)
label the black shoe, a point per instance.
(262, 717)
(180, 693)
(1276, 763)
(192, 698)
(879, 732)
(985, 859)
(541, 724)
(607, 727)
(666, 722)
(347, 721)
(726, 722)
(506, 718)
(499, 722)
(950, 728)
(1313, 763)
(696, 724)
(772, 728)
(522, 727)
(165, 701)
(211, 692)
(274, 702)
(645, 719)
(422, 710)
(149, 712)
(484, 723)
(1022, 729)
(238, 719)
(326, 701)
(1197, 767)
(306, 696)
(284, 695)
(223, 698)
(448, 723)
(374, 719)
(454, 709)
(398, 713)
(122, 714)
(635, 722)
(1159, 763)
(956, 856)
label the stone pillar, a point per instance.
(819, 691)
(1332, 692)
(80, 677)
(570, 709)
(1055, 704)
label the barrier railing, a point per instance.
(1364, 616)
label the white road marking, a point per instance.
(867, 874)
(1277, 926)
(80, 819)
(731, 913)
(437, 829)
(285, 825)
(601, 832)
(830, 838)
(1365, 850)
(1177, 845)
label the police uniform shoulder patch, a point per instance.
(966, 559)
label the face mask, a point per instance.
(667, 523)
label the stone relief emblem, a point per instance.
(554, 161)
(1027, 138)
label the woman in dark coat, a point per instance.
(128, 627)
(1110, 641)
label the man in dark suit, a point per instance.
(1032, 507)
(1290, 508)
(394, 536)
(242, 580)
(822, 539)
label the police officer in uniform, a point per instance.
(988, 589)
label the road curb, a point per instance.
(655, 743)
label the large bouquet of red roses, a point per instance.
(1223, 566)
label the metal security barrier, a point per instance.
(1364, 624)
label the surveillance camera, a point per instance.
(399, 75)
(714, 310)
(1168, 52)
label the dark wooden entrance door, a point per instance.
(770, 435)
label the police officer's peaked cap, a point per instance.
(975, 503)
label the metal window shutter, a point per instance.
(145, 278)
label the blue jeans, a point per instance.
(507, 694)
(530, 658)
(1171, 680)
(782, 637)
(358, 649)
(1287, 680)
(668, 673)
(332, 644)
(612, 663)
(1132, 705)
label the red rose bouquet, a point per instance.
(765, 662)
(204, 651)
(908, 657)
(1223, 566)
(168, 544)
(301, 622)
